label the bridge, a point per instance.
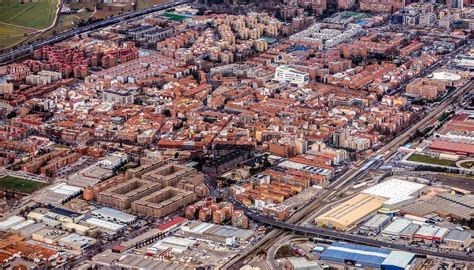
(342, 236)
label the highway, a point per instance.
(337, 186)
(25, 50)
(342, 236)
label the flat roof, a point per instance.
(64, 212)
(457, 235)
(451, 146)
(376, 220)
(396, 227)
(431, 231)
(399, 259)
(364, 255)
(65, 189)
(105, 224)
(395, 190)
(114, 213)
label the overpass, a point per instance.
(25, 50)
(339, 184)
(342, 236)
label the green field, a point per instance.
(11, 35)
(175, 17)
(20, 184)
(431, 160)
(37, 15)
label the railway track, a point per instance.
(345, 180)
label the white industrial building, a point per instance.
(76, 242)
(57, 194)
(215, 233)
(18, 227)
(10, 222)
(395, 228)
(66, 189)
(291, 75)
(398, 192)
(431, 233)
(175, 245)
(114, 215)
(106, 226)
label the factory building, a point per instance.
(106, 226)
(114, 215)
(175, 245)
(226, 235)
(409, 232)
(350, 213)
(398, 260)
(374, 225)
(357, 254)
(431, 233)
(398, 192)
(367, 257)
(395, 228)
(458, 240)
(77, 242)
(10, 222)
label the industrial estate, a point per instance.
(252, 135)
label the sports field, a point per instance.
(37, 14)
(20, 184)
(431, 160)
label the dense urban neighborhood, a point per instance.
(251, 135)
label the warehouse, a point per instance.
(456, 239)
(10, 222)
(114, 215)
(348, 214)
(20, 226)
(49, 236)
(409, 232)
(106, 226)
(176, 244)
(29, 230)
(215, 233)
(396, 227)
(77, 228)
(57, 194)
(345, 253)
(431, 233)
(398, 260)
(374, 225)
(76, 242)
(398, 192)
(446, 205)
(64, 215)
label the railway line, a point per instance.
(336, 188)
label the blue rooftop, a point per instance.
(358, 254)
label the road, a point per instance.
(26, 50)
(337, 235)
(343, 181)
